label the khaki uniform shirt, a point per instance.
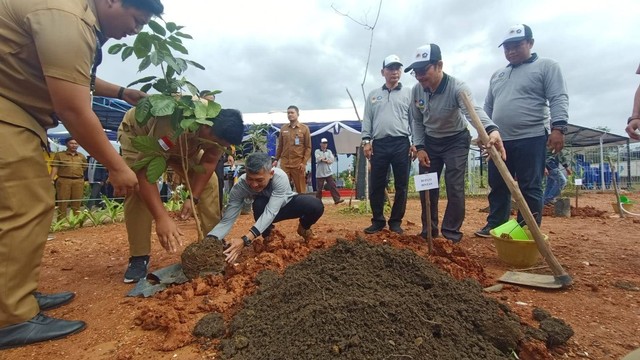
(41, 38)
(70, 165)
(160, 129)
(294, 145)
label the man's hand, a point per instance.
(302, 166)
(187, 210)
(423, 158)
(169, 234)
(413, 152)
(234, 250)
(632, 129)
(496, 140)
(368, 151)
(555, 141)
(124, 181)
(569, 171)
(132, 96)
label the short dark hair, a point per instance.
(257, 161)
(154, 7)
(204, 92)
(294, 108)
(228, 126)
(66, 141)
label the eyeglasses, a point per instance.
(421, 71)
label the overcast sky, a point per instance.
(266, 55)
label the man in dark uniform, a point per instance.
(49, 51)
(69, 167)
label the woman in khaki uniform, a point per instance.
(48, 49)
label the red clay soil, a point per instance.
(601, 254)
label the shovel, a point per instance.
(559, 278)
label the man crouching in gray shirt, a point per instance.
(273, 201)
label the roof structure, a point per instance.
(580, 136)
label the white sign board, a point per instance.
(426, 181)
(578, 182)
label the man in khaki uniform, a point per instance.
(48, 53)
(146, 205)
(294, 149)
(69, 167)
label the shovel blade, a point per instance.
(535, 280)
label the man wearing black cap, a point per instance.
(385, 141)
(441, 136)
(633, 123)
(528, 100)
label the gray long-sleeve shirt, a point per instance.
(323, 168)
(442, 113)
(278, 191)
(386, 113)
(525, 100)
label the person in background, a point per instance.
(556, 180)
(529, 102)
(386, 141)
(210, 96)
(50, 53)
(294, 149)
(274, 201)
(324, 159)
(633, 123)
(441, 137)
(67, 171)
(97, 176)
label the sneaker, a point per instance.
(484, 232)
(373, 229)
(396, 229)
(137, 269)
(339, 201)
(307, 234)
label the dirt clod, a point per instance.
(211, 326)
(558, 331)
(202, 258)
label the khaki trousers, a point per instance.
(297, 176)
(26, 210)
(138, 218)
(69, 189)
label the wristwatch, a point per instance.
(562, 128)
(196, 199)
(246, 240)
(631, 118)
(365, 142)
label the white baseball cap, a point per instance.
(390, 60)
(324, 140)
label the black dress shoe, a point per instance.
(396, 229)
(52, 301)
(373, 229)
(39, 328)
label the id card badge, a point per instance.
(296, 141)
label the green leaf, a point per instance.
(182, 63)
(147, 145)
(187, 124)
(156, 58)
(183, 35)
(157, 28)
(162, 105)
(142, 45)
(156, 167)
(216, 92)
(143, 110)
(144, 63)
(195, 64)
(145, 88)
(171, 61)
(192, 89)
(204, 122)
(171, 26)
(142, 163)
(115, 48)
(162, 86)
(145, 79)
(200, 110)
(175, 39)
(177, 47)
(126, 53)
(170, 72)
(213, 109)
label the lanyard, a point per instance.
(97, 59)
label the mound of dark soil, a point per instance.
(357, 300)
(202, 258)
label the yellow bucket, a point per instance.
(511, 230)
(517, 253)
